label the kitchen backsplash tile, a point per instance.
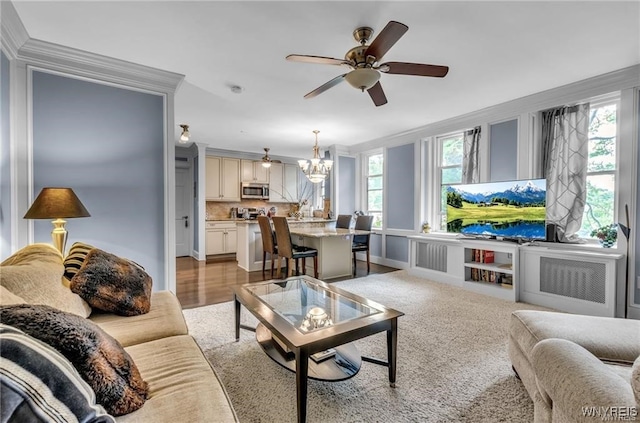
(222, 210)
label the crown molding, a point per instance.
(596, 86)
(13, 34)
(50, 56)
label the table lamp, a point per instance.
(57, 204)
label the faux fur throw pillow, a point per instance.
(98, 357)
(110, 283)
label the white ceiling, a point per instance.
(496, 51)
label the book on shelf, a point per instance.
(492, 276)
(475, 274)
(489, 256)
(482, 256)
(484, 275)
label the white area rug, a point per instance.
(453, 364)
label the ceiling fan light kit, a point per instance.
(185, 135)
(364, 62)
(266, 160)
(363, 78)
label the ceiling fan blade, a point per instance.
(316, 59)
(418, 69)
(377, 94)
(386, 39)
(324, 87)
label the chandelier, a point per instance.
(316, 169)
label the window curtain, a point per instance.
(470, 169)
(565, 150)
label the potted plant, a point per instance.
(607, 235)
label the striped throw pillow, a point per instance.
(73, 262)
(38, 384)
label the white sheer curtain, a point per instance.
(565, 151)
(470, 169)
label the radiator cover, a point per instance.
(432, 256)
(582, 280)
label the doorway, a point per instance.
(184, 221)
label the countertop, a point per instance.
(291, 221)
(326, 232)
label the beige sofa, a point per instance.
(577, 368)
(183, 387)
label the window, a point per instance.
(374, 188)
(451, 149)
(599, 209)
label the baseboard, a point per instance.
(384, 262)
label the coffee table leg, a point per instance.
(237, 306)
(302, 370)
(392, 351)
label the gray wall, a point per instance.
(503, 151)
(107, 144)
(347, 185)
(397, 248)
(375, 245)
(399, 194)
(5, 163)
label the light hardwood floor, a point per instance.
(200, 283)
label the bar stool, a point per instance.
(343, 221)
(289, 251)
(361, 242)
(268, 243)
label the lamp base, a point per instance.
(59, 235)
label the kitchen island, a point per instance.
(334, 248)
(249, 240)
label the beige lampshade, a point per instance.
(56, 203)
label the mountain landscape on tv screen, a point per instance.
(506, 209)
(528, 193)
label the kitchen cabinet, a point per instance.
(283, 183)
(253, 171)
(222, 179)
(220, 237)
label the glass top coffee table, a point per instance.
(307, 326)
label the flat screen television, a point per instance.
(511, 209)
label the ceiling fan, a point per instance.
(266, 160)
(364, 62)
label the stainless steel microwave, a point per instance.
(255, 191)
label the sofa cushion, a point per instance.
(39, 384)
(34, 273)
(182, 385)
(98, 357)
(575, 380)
(8, 298)
(609, 339)
(73, 261)
(164, 319)
(110, 283)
